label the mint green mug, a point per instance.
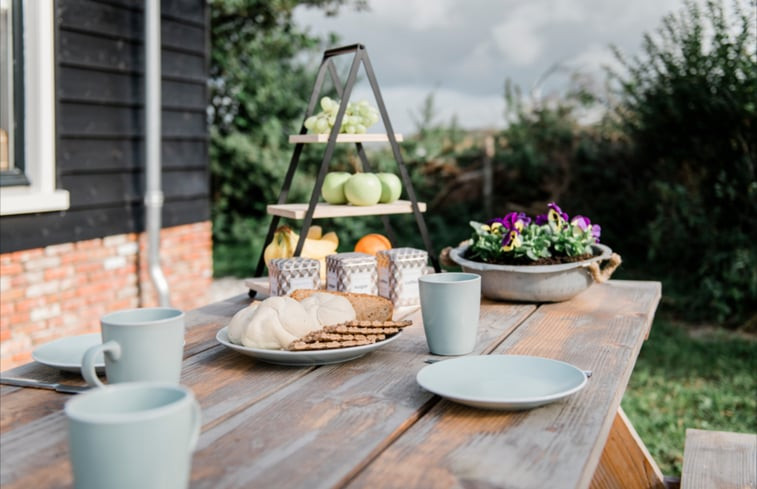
(145, 344)
(450, 306)
(133, 435)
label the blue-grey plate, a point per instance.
(502, 382)
(66, 353)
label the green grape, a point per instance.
(358, 116)
(321, 125)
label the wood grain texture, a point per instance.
(626, 462)
(22, 232)
(558, 445)
(344, 138)
(322, 210)
(321, 429)
(366, 423)
(99, 121)
(719, 460)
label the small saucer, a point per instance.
(66, 353)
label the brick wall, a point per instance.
(62, 290)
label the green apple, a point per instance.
(333, 187)
(391, 187)
(363, 189)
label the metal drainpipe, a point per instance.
(153, 193)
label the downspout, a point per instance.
(153, 136)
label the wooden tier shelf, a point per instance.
(344, 138)
(297, 211)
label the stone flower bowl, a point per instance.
(539, 283)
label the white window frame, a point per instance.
(39, 109)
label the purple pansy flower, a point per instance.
(596, 230)
(583, 223)
(556, 217)
(511, 240)
(513, 221)
(541, 220)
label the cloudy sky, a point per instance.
(463, 50)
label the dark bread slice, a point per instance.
(367, 307)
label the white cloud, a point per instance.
(418, 15)
(403, 104)
(522, 37)
(465, 49)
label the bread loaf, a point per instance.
(367, 307)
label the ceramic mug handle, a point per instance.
(111, 348)
(196, 425)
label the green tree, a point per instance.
(689, 106)
(261, 75)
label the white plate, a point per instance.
(503, 382)
(304, 358)
(66, 353)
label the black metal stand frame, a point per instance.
(344, 92)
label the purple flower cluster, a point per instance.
(514, 223)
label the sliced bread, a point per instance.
(367, 307)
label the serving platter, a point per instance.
(502, 382)
(303, 358)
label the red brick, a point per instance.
(7, 308)
(89, 244)
(17, 318)
(59, 272)
(13, 294)
(27, 305)
(59, 249)
(11, 268)
(24, 255)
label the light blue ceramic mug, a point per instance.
(145, 344)
(450, 306)
(133, 435)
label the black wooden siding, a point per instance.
(100, 107)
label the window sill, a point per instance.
(24, 201)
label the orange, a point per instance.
(371, 243)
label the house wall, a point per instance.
(59, 271)
(62, 290)
(100, 126)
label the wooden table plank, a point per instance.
(625, 461)
(355, 423)
(719, 459)
(20, 405)
(557, 445)
(319, 430)
(232, 389)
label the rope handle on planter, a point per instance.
(601, 275)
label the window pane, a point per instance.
(6, 85)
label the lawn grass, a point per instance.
(688, 378)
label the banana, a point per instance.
(331, 236)
(285, 240)
(280, 246)
(315, 232)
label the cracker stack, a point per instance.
(347, 334)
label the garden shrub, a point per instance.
(689, 107)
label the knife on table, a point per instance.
(38, 384)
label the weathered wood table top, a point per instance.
(367, 423)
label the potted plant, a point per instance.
(550, 258)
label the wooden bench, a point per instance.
(719, 460)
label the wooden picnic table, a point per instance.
(367, 423)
